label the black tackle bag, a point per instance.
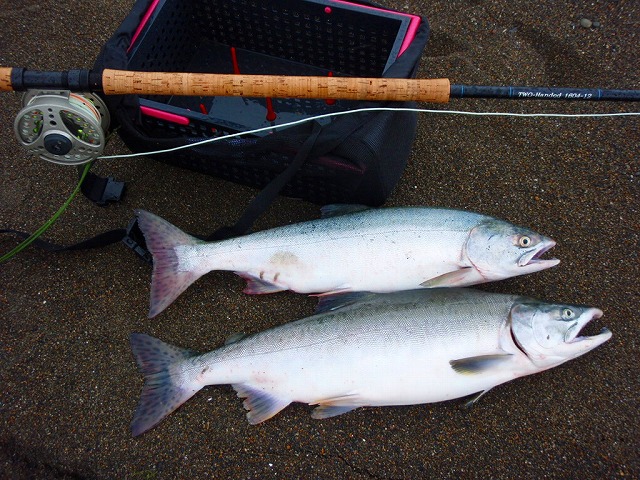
(355, 158)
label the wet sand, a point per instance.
(70, 384)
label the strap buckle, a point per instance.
(134, 239)
(101, 190)
(113, 191)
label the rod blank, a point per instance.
(543, 93)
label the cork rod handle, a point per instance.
(115, 82)
(124, 82)
(5, 79)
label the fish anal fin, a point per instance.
(458, 278)
(328, 411)
(261, 405)
(479, 364)
(258, 286)
(332, 407)
(341, 290)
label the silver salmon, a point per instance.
(401, 348)
(351, 248)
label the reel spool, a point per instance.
(61, 126)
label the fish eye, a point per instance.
(524, 241)
(568, 314)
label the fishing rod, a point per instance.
(64, 121)
(438, 90)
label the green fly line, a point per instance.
(25, 243)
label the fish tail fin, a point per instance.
(167, 281)
(164, 388)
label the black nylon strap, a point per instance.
(267, 195)
(101, 240)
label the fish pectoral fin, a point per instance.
(472, 401)
(458, 278)
(258, 286)
(479, 364)
(261, 405)
(332, 407)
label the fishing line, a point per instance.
(370, 109)
(25, 243)
(48, 223)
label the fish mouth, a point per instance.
(572, 334)
(532, 258)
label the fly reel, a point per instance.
(61, 126)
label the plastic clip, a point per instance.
(113, 191)
(101, 190)
(134, 239)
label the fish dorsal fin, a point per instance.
(337, 209)
(333, 301)
(261, 405)
(235, 337)
(479, 364)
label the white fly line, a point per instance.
(370, 109)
